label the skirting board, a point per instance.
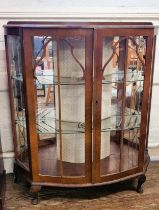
(8, 158)
(154, 158)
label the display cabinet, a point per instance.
(80, 101)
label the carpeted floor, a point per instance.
(113, 197)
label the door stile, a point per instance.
(88, 103)
(125, 57)
(153, 62)
(97, 94)
(146, 100)
(59, 106)
(31, 104)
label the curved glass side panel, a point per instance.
(17, 86)
(136, 50)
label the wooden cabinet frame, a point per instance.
(93, 34)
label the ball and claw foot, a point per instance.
(17, 178)
(35, 199)
(16, 175)
(141, 180)
(35, 191)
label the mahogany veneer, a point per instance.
(110, 67)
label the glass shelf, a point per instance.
(45, 127)
(115, 123)
(50, 80)
(46, 123)
(118, 76)
(46, 78)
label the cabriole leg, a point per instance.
(141, 180)
(35, 191)
(16, 174)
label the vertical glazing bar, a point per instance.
(88, 104)
(123, 103)
(121, 69)
(97, 91)
(59, 105)
(29, 87)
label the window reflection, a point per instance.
(122, 91)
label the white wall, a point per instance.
(92, 10)
(76, 4)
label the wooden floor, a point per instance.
(113, 197)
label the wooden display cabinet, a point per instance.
(80, 98)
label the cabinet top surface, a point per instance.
(33, 24)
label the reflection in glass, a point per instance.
(59, 67)
(43, 67)
(72, 95)
(18, 95)
(122, 90)
(133, 101)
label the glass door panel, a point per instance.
(59, 72)
(111, 106)
(121, 102)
